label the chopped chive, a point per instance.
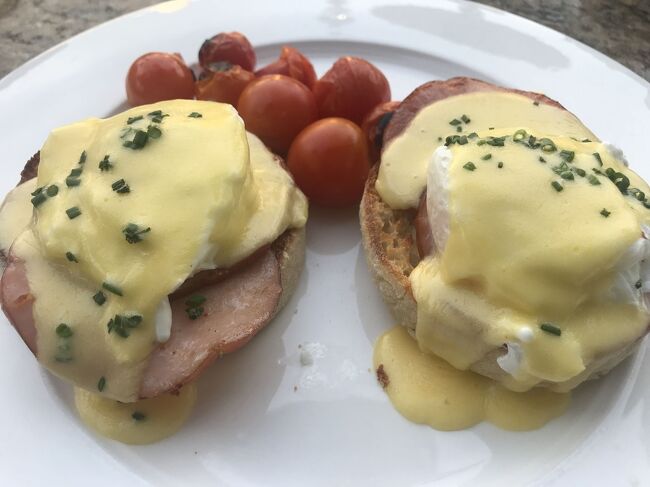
(39, 199)
(547, 145)
(605, 213)
(459, 129)
(71, 257)
(465, 118)
(486, 157)
(82, 157)
(585, 140)
(551, 329)
(73, 212)
(500, 165)
(593, 180)
(101, 384)
(496, 141)
(455, 122)
(64, 331)
(490, 128)
(638, 284)
(541, 159)
(469, 166)
(519, 135)
(121, 187)
(138, 416)
(536, 103)
(76, 172)
(153, 132)
(195, 300)
(133, 233)
(112, 288)
(195, 312)
(597, 156)
(568, 175)
(52, 190)
(580, 172)
(134, 119)
(38, 191)
(121, 324)
(195, 115)
(567, 155)
(473, 135)
(99, 298)
(105, 164)
(558, 186)
(72, 181)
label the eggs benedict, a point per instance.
(510, 242)
(142, 247)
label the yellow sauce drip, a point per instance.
(136, 423)
(426, 389)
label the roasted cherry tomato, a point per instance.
(276, 108)
(232, 47)
(158, 76)
(373, 127)
(223, 86)
(351, 89)
(291, 63)
(329, 162)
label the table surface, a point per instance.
(618, 28)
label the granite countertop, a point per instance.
(618, 28)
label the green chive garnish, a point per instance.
(547, 145)
(551, 329)
(519, 135)
(568, 175)
(72, 181)
(195, 300)
(134, 119)
(82, 157)
(99, 298)
(71, 257)
(153, 132)
(459, 129)
(580, 172)
(536, 103)
(138, 416)
(567, 155)
(541, 159)
(455, 122)
(500, 165)
(469, 166)
(605, 213)
(52, 190)
(486, 157)
(133, 233)
(638, 284)
(195, 115)
(465, 119)
(39, 199)
(73, 212)
(558, 187)
(121, 187)
(105, 164)
(64, 331)
(112, 288)
(101, 384)
(121, 324)
(597, 156)
(593, 180)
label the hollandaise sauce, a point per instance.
(426, 389)
(136, 423)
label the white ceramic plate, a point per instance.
(262, 418)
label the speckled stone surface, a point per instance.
(618, 28)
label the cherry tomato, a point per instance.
(158, 76)
(224, 86)
(232, 47)
(373, 127)
(276, 108)
(351, 89)
(329, 162)
(291, 63)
